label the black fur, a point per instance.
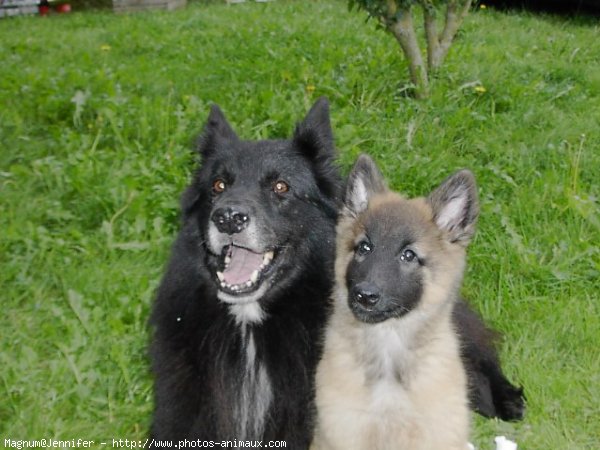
(198, 351)
(490, 392)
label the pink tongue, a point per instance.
(243, 263)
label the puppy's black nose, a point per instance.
(230, 220)
(366, 293)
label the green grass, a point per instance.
(97, 116)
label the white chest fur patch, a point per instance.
(255, 392)
(247, 313)
(385, 352)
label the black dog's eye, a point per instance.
(218, 186)
(408, 256)
(280, 187)
(364, 248)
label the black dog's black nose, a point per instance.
(365, 293)
(230, 220)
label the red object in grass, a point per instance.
(44, 10)
(63, 8)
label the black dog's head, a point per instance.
(263, 208)
(398, 255)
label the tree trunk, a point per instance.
(404, 31)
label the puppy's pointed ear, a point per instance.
(455, 207)
(216, 130)
(314, 135)
(364, 182)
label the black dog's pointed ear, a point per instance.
(364, 182)
(216, 129)
(314, 135)
(455, 206)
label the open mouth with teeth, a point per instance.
(243, 270)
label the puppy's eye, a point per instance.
(408, 256)
(219, 186)
(364, 248)
(280, 187)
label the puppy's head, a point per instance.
(398, 255)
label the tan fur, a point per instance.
(399, 384)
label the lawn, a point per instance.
(98, 114)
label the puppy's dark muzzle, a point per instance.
(368, 303)
(366, 294)
(230, 220)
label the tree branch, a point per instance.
(455, 14)
(404, 31)
(433, 42)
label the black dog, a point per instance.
(241, 310)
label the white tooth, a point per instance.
(220, 276)
(248, 283)
(227, 259)
(268, 257)
(254, 276)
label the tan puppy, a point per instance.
(391, 375)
